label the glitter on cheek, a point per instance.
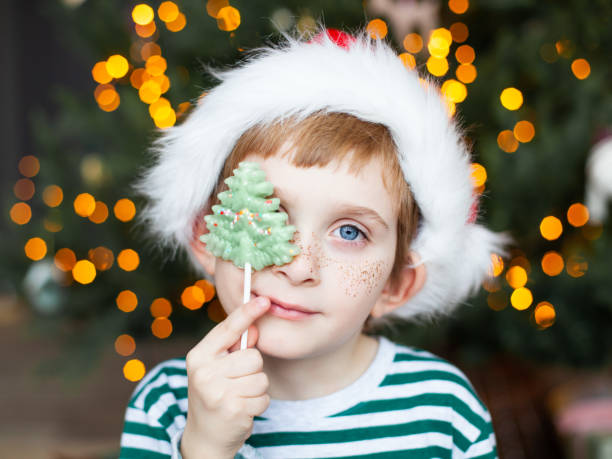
(362, 278)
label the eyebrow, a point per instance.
(344, 208)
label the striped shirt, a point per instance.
(408, 403)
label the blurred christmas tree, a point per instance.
(530, 80)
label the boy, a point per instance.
(374, 175)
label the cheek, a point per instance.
(363, 278)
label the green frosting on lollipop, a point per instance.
(247, 227)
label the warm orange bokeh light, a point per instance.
(454, 91)
(149, 91)
(577, 215)
(581, 68)
(84, 272)
(53, 195)
(521, 298)
(128, 260)
(551, 228)
(507, 141)
(117, 66)
(458, 6)
(164, 117)
(511, 98)
(125, 345)
(524, 131)
(150, 49)
(228, 18)
(178, 24)
(544, 314)
(193, 297)
(84, 204)
(168, 11)
(126, 301)
(465, 54)
(413, 43)
(100, 74)
(65, 259)
(516, 277)
(24, 189)
(156, 65)
(142, 14)
(437, 66)
(466, 73)
(35, 249)
(377, 28)
(439, 43)
(479, 174)
(576, 266)
(459, 31)
(213, 7)
(102, 258)
(29, 166)
(21, 213)
(408, 60)
(161, 327)
(146, 31)
(155, 106)
(100, 213)
(124, 210)
(134, 370)
(137, 78)
(207, 288)
(161, 307)
(552, 263)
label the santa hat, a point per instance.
(335, 72)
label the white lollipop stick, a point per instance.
(245, 299)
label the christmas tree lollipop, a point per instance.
(247, 228)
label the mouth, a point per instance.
(286, 306)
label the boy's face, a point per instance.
(347, 231)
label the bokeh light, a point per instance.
(100, 213)
(124, 210)
(164, 117)
(516, 276)
(521, 298)
(454, 90)
(142, 14)
(551, 228)
(178, 24)
(29, 166)
(125, 345)
(102, 258)
(126, 301)
(156, 65)
(437, 66)
(146, 31)
(524, 131)
(149, 49)
(511, 98)
(53, 195)
(149, 91)
(413, 43)
(35, 248)
(506, 141)
(459, 31)
(497, 265)
(207, 288)
(408, 60)
(100, 74)
(213, 7)
(84, 272)
(552, 263)
(581, 68)
(439, 43)
(84, 204)
(161, 307)
(497, 300)
(128, 260)
(134, 370)
(228, 18)
(576, 266)
(192, 297)
(377, 28)
(466, 73)
(168, 11)
(479, 174)
(577, 215)
(465, 54)
(24, 189)
(161, 327)
(458, 6)
(117, 66)
(65, 259)
(20, 213)
(544, 314)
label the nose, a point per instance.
(305, 266)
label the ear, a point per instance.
(410, 282)
(198, 248)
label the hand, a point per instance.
(226, 386)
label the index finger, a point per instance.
(225, 334)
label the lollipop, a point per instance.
(247, 228)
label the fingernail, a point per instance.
(261, 302)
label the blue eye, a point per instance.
(349, 232)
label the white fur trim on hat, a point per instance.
(366, 80)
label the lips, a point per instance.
(295, 307)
